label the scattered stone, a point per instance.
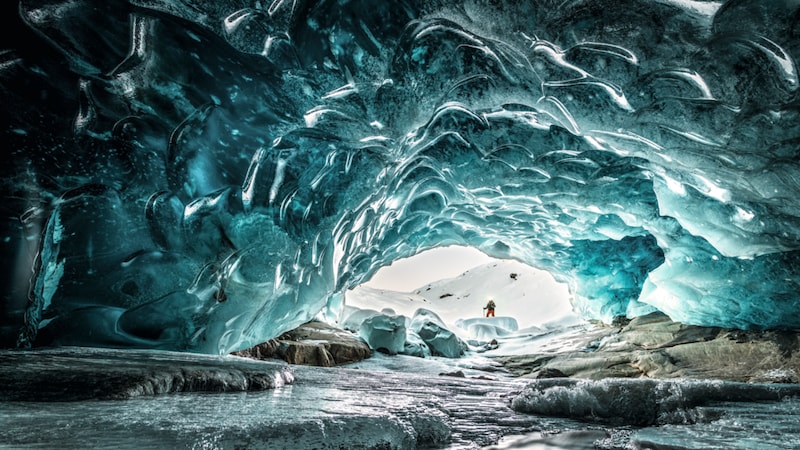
(491, 345)
(483, 377)
(549, 372)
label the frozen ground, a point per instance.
(322, 408)
(398, 402)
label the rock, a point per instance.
(550, 373)
(263, 351)
(653, 346)
(308, 354)
(312, 344)
(457, 374)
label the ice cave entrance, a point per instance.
(455, 282)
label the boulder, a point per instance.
(312, 344)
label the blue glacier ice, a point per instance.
(203, 175)
(384, 332)
(424, 334)
(432, 330)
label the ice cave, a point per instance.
(202, 175)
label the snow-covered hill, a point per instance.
(530, 296)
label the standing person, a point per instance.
(489, 308)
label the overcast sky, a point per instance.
(405, 275)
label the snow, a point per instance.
(531, 306)
(529, 296)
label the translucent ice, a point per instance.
(352, 318)
(415, 346)
(640, 402)
(195, 176)
(440, 340)
(383, 332)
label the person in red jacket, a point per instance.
(489, 308)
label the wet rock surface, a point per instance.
(312, 344)
(653, 346)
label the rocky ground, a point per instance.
(651, 346)
(654, 346)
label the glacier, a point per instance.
(201, 176)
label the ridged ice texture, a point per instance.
(203, 175)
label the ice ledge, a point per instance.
(71, 374)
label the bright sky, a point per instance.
(405, 275)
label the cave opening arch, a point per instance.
(602, 278)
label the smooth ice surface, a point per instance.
(204, 175)
(71, 374)
(341, 408)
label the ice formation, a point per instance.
(486, 329)
(203, 175)
(434, 333)
(384, 332)
(640, 402)
(423, 334)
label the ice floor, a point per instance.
(385, 402)
(323, 408)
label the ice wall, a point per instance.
(203, 175)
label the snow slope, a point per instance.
(528, 295)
